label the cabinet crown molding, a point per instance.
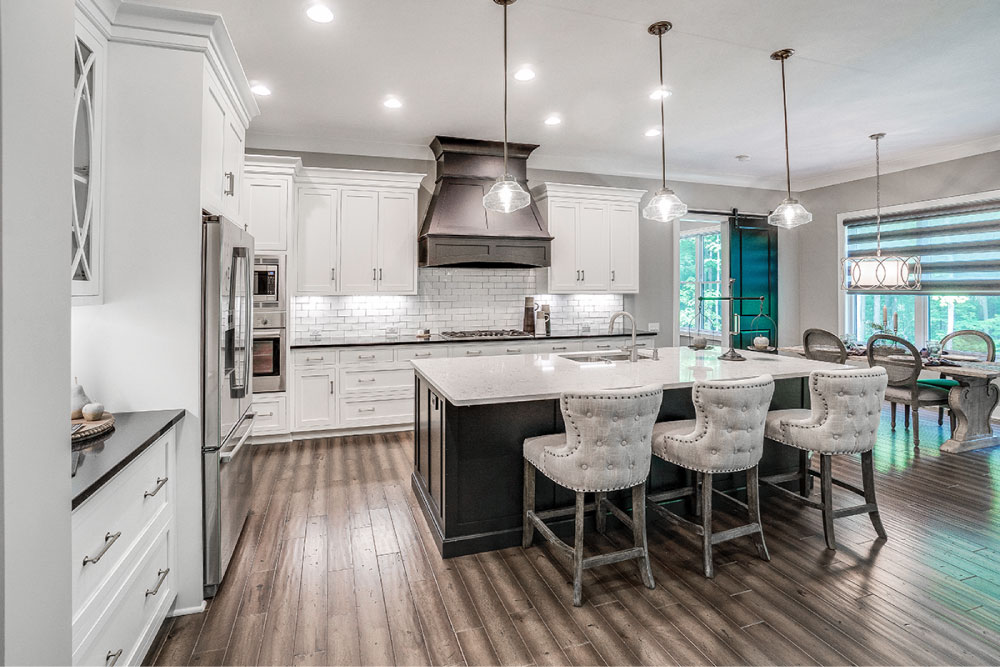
(603, 193)
(272, 165)
(359, 178)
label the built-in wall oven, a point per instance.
(269, 283)
(269, 363)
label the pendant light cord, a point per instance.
(505, 91)
(784, 104)
(878, 199)
(663, 122)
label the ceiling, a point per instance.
(923, 71)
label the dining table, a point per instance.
(972, 401)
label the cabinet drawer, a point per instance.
(417, 353)
(108, 524)
(518, 348)
(359, 378)
(474, 350)
(602, 344)
(323, 357)
(134, 614)
(271, 415)
(559, 347)
(367, 355)
(361, 412)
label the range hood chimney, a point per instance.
(459, 231)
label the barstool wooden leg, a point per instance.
(892, 413)
(706, 522)
(826, 488)
(694, 500)
(578, 552)
(868, 478)
(639, 533)
(940, 416)
(753, 505)
(528, 530)
(804, 478)
(916, 426)
(601, 517)
(696, 485)
(906, 415)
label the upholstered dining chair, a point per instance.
(965, 341)
(606, 447)
(902, 363)
(726, 436)
(844, 419)
(823, 345)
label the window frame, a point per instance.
(699, 281)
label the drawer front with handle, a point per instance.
(359, 379)
(106, 526)
(367, 355)
(271, 415)
(519, 348)
(436, 351)
(139, 605)
(319, 357)
(559, 347)
(361, 412)
(473, 350)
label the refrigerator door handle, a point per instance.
(229, 454)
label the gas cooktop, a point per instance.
(486, 333)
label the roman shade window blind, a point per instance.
(958, 246)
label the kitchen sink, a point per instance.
(598, 357)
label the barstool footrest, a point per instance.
(618, 512)
(613, 557)
(674, 494)
(675, 518)
(857, 509)
(562, 511)
(791, 494)
(547, 533)
(733, 533)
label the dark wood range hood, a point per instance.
(459, 231)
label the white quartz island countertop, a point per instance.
(534, 377)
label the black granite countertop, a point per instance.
(96, 461)
(364, 341)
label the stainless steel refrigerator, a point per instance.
(227, 392)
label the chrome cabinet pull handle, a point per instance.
(366, 356)
(366, 409)
(231, 177)
(265, 414)
(331, 386)
(473, 353)
(159, 485)
(111, 659)
(603, 347)
(380, 275)
(366, 380)
(612, 275)
(374, 271)
(109, 539)
(314, 358)
(558, 348)
(162, 574)
(583, 274)
(578, 274)
(333, 274)
(512, 350)
(422, 354)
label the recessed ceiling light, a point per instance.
(653, 132)
(660, 93)
(553, 120)
(260, 89)
(320, 13)
(392, 103)
(525, 73)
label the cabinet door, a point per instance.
(563, 274)
(213, 141)
(317, 241)
(358, 234)
(397, 243)
(624, 248)
(267, 211)
(593, 255)
(315, 398)
(232, 170)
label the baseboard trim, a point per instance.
(361, 430)
(186, 611)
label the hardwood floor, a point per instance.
(336, 567)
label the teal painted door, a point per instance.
(753, 264)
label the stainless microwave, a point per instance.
(269, 282)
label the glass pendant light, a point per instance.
(506, 195)
(790, 213)
(880, 273)
(665, 206)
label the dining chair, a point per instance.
(966, 341)
(606, 447)
(903, 364)
(823, 345)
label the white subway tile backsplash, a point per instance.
(451, 298)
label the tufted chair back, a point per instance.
(846, 408)
(728, 432)
(608, 437)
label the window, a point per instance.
(959, 249)
(701, 275)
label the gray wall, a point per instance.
(36, 109)
(819, 261)
(656, 259)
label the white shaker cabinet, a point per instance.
(397, 243)
(222, 151)
(318, 212)
(595, 246)
(359, 239)
(315, 398)
(268, 205)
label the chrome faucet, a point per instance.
(634, 351)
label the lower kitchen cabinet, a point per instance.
(271, 412)
(315, 398)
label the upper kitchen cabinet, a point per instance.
(268, 200)
(595, 245)
(356, 232)
(90, 64)
(222, 150)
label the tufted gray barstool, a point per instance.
(726, 435)
(605, 448)
(844, 419)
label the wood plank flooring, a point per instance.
(336, 566)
